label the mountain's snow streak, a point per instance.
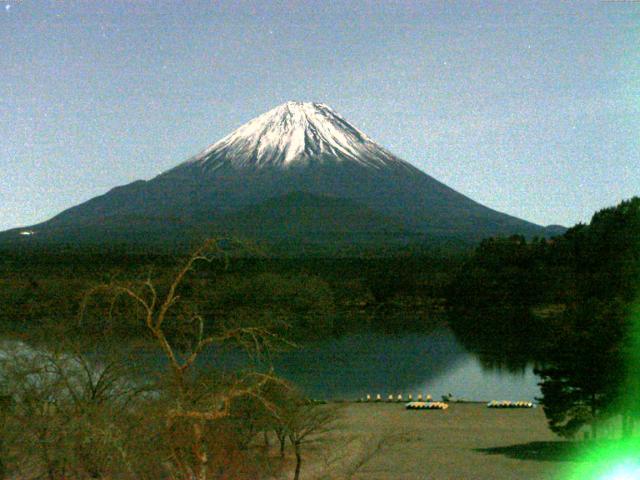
(295, 133)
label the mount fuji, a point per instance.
(297, 173)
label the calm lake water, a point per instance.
(356, 365)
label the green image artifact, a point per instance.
(618, 459)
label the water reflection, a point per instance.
(356, 365)
(470, 380)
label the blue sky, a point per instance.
(531, 108)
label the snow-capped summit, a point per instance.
(294, 133)
(297, 173)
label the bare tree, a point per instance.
(192, 407)
(304, 423)
(63, 402)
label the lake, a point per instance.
(356, 365)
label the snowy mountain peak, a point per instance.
(295, 133)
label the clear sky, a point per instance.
(531, 108)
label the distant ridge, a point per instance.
(298, 171)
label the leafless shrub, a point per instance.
(193, 408)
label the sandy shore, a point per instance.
(467, 441)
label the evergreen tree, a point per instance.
(588, 370)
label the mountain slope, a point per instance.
(296, 147)
(313, 218)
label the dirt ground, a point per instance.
(467, 441)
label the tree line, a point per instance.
(568, 304)
(337, 295)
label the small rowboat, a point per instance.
(509, 404)
(426, 406)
